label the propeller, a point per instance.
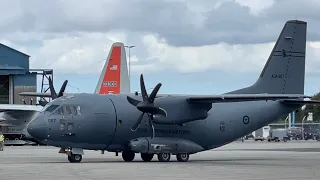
(146, 106)
(24, 101)
(54, 95)
(53, 92)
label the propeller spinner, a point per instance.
(146, 106)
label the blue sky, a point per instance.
(212, 82)
(191, 47)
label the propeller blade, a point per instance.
(135, 126)
(42, 103)
(154, 92)
(143, 89)
(53, 92)
(63, 88)
(133, 101)
(151, 127)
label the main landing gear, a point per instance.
(75, 158)
(128, 156)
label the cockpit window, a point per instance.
(52, 108)
(68, 110)
(59, 111)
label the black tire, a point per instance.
(75, 158)
(128, 156)
(182, 157)
(147, 157)
(164, 157)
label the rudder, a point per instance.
(284, 72)
(114, 78)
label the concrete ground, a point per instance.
(236, 161)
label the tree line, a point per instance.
(309, 108)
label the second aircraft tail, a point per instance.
(114, 78)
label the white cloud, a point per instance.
(179, 35)
(75, 54)
(227, 57)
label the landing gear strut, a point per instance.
(128, 155)
(74, 158)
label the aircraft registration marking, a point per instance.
(278, 76)
(110, 83)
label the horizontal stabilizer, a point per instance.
(296, 101)
(35, 94)
(242, 97)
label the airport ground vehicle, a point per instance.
(310, 133)
(278, 135)
(249, 136)
(295, 133)
(262, 133)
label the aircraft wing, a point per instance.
(12, 112)
(19, 107)
(35, 94)
(296, 101)
(242, 97)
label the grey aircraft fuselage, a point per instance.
(184, 124)
(106, 120)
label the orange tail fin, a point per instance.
(114, 77)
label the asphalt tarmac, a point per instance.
(295, 160)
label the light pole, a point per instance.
(129, 47)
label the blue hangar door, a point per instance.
(4, 89)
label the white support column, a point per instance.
(289, 120)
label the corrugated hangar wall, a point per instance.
(15, 76)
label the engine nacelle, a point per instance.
(163, 145)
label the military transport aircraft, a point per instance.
(15, 117)
(178, 125)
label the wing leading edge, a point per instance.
(19, 107)
(243, 97)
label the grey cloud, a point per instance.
(176, 21)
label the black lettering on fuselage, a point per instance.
(51, 120)
(280, 76)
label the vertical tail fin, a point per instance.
(284, 72)
(114, 77)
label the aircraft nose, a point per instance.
(36, 128)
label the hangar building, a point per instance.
(15, 76)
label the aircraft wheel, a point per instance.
(146, 157)
(182, 157)
(75, 158)
(128, 155)
(164, 157)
